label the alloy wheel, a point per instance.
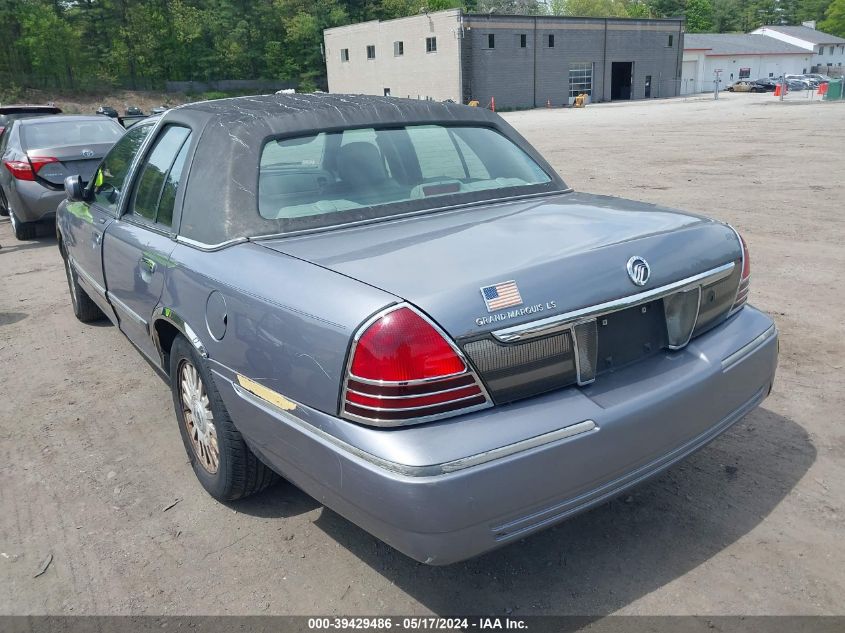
(198, 417)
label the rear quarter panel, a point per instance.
(288, 322)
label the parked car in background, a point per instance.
(818, 77)
(158, 110)
(11, 113)
(108, 111)
(400, 307)
(767, 84)
(37, 155)
(806, 84)
(746, 85)
(134, 111)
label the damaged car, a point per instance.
(400, 307)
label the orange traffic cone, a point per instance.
(822, 89)
(777, 90)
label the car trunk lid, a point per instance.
(564, 253)
(73, 160)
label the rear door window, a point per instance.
(160, 176)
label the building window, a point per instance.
(491, 40)
(821, 51)
(344, 54)
(551, 40)
(831, 50)
(670, 42)
(387, 92)
(523, 40)
(431, 45)
(745, 73)
(371, 51)
(398, 49)
(580, 79)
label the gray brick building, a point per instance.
(521, 61)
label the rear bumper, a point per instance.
(434, 494)
(32, 202)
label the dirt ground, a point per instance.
(90, 456)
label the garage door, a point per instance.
(688, 72)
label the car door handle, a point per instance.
(147, 264)
(98, 237)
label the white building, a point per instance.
(737, 56)
(828, 50)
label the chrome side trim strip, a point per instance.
(202, 246)
(165, 313)
(432, 470)
(117, 303)
(748, 348)
(562, 321)
(533, 442)
(88, 279)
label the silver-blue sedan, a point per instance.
(400, 307)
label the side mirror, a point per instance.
(74, 190)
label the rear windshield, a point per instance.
(51, 134)
(336, 177)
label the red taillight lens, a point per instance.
(26, 169)
(745, 278)
(20, 169)
(402, 346)
(404, 370)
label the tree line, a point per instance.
(100, 44)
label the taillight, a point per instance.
(745, 277)
(404, 370)
(26, 169)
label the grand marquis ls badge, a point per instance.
(638, 270)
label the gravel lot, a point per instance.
(90, 454)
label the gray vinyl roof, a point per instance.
(807, 34)
(740, 44)
(221, 194)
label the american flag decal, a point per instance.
(501, 295)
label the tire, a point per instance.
(23, 230)
(221, 460)
(83, 307)
(4, 205)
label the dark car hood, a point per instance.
(564, 252)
